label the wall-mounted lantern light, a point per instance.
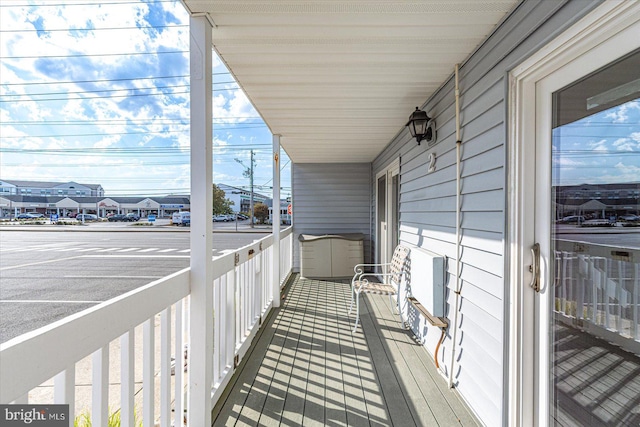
(421, 126)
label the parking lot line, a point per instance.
(148, 250)
(113, 277)
(41, 262)
(133, 256)
(166, 250)
(50, 301)
(129, 250)
(109, 249)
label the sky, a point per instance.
(98, 93)
(603, 148)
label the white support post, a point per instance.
(201, 235)
(276, 221)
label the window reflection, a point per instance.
(595, 326)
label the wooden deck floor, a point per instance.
(307, 368)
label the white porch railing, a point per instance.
(598, 289)
(242, 298)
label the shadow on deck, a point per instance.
(307, 368)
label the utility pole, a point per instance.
(248, 173)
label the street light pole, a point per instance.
(248, 173)
(251, 195)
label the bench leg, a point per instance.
(352, 296)
(355, 328)
(400, 312)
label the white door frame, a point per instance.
(607, 33)
(386, 246)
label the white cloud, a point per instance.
(621, 114)
(566, 162)
(626, 144)
(125, 126)
(600, 145)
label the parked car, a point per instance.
(86, 217)
(572, 219)
(629, 217)
(118, 217)
(29, 215)
(185, 219)
(179, 218)
(133, 217)
(598, 222)
(220, 218)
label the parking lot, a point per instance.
(49, 272)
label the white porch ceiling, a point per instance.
(338, 79)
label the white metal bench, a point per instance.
(389, 275)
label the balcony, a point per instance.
(297, 364)
(308, 368)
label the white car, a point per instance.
(181, 218)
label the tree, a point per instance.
(261, 212)
(221, 205)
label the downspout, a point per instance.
(458, 228)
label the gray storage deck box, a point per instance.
(330, 255)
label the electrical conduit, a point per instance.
(458, 229)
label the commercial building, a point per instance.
(241, 198)
(70, 198)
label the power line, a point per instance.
(94, 91)
(108, 90)
(96, 3)
(32, 30)
(132, 122)
(117, 150)
(109, 97)
(105, 80)
(84, 55)
(124, 133)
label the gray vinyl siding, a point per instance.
(428, 201)
(330, 199)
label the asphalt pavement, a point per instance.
(46, 275)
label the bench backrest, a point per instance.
(398, 262)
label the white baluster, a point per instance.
(148, 361)
(165, 368)
(179, 367)
(64, 390)
(100, 388)
(127, 379)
